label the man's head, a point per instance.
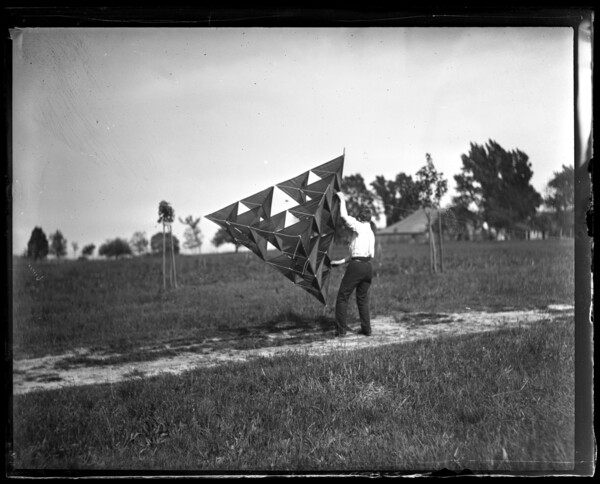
(364, 214)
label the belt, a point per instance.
(362, 259)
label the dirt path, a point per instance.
(53, 372)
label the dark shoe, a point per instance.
(343, 332)
(364, 333)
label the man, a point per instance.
(359, 271)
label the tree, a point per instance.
(223, 237)
(560, 196)
(561, 189)
(139, 243)
(166, 216)
(157, 245)
(37, 247)
(497, 183)
(459, 222)
(88, 250)
(357, 194)
(58, 244)
(400, 197)
(432, 187)
(544, 222)
(115, 248)
(192, 234)
(431, 184)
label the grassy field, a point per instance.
(120, 304)
(486, 402)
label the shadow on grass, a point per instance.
(284, 328)
(415, 320)
(289, 320)
(284, 323)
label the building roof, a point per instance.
(414, 224)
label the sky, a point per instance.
(107, 122)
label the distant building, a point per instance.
(552, 224)
(464, 226)
(525, 231)
(412, 229)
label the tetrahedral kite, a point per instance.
(296, 240)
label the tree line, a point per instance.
(493, 189)
(40, 245)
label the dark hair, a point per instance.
(364, 214)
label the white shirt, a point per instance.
(363, 238)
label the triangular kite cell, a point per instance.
(294, 186)
(319, 188)
(261, 201)
(226, 214)
(333, 167)
(299, 238)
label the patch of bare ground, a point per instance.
(83, 367)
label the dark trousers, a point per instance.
(358, 276)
